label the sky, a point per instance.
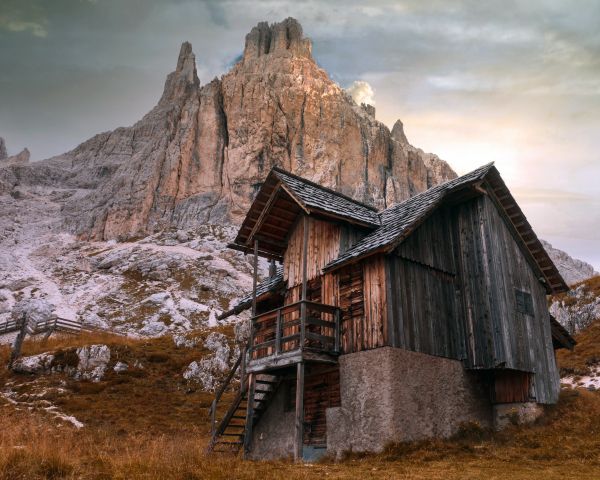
(515, 82)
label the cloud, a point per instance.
(37, 29)
(362, 92)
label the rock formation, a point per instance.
(201, 153)
(20, 158)
(3, 153)
(571, 269)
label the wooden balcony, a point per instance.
(301, 331)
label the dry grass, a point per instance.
(585, 354)
(149, 424)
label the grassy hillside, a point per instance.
(149, 423)
(586, 353)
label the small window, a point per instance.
(524, 302)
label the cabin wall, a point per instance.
(493, 266)
(394, 395)
(363, 302)
(424, 307)
(324, 240)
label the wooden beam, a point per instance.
(304, 256)
(255, 278)
(265, 212)
(249, 413)
(299, 443)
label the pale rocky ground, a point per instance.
(578, 310)
(169, 282)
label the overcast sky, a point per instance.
(513, 82)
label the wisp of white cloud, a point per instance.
(362, 92)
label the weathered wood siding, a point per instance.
(323, 247)
(362, 299)
(375, 320)
(424, 305)
(493, 266)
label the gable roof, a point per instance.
(399, 221)
(268, 285)
(282, 198)
(314, 196)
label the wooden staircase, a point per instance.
(234, 430)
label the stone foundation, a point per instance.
(516, 414)
(394, 395)
(273, 436)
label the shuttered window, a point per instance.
(524, 302)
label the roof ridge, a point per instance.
(440, 186)
(327, 189)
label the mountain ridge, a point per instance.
(200, 153)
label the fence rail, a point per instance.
(53, 324)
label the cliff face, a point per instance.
(201, 153)
(571, 269)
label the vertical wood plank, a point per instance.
(299, 423)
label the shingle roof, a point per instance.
(268, 285)
(318, 197)
(398, 219)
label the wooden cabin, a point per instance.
(377, 327)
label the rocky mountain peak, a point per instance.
(185, 77)
(3, 153)
(283, 38)
(200, 155)
(398, 132)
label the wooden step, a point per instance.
(260, 390)
(265, 382)
(232, 434)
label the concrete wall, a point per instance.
(273, 435)
(391, 395)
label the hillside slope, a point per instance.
(149, 422)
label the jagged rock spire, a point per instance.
(185, 76)
(278, 38)
(3, 153)
(398, 132)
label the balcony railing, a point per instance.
(300, 326)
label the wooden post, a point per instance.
(299, 412)
(336, 334)
(249, 413)
(278, 328)
(243, 368)
(16, 351)
(255, 278)
(304, 282)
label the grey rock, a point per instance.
(93, 362)
(571, 269)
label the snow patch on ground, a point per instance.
(591, 381)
